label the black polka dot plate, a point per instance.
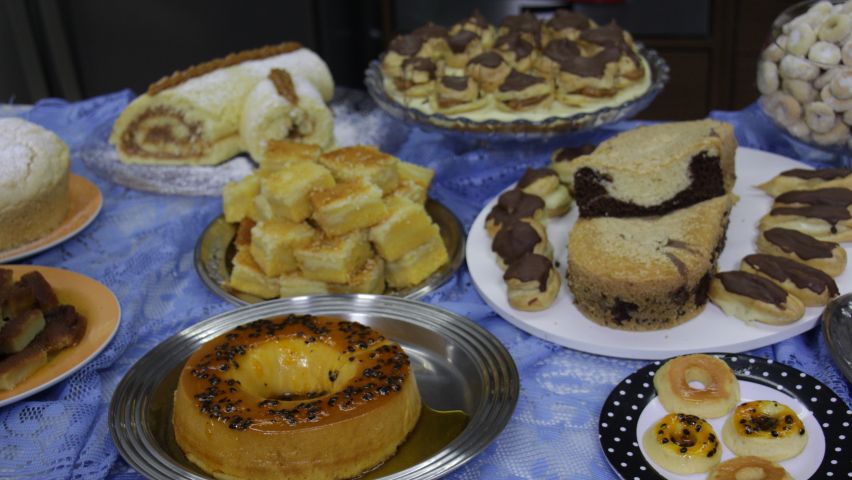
(633, 407)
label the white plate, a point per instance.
(712, 330)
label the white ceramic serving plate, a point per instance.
(712, 330)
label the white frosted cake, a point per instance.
(33, 182)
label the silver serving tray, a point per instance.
(458, 366)
(522, 129)
(837, 330)
(215, 249)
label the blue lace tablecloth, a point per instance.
(141, 247)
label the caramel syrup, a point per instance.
(434, 430)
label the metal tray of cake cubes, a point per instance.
(215, 250)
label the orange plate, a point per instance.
(85, 203)
(95, 302)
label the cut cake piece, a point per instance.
(20, 330)
(413, 267)
(656, 169)
(647, 273)
(280, 153)
(246, 276)
(363, 162)
(370, 278)
(334, 259)
(407, 227)
(295, 284)
(238, 198)
(348, 206)
(272, 245)
(284, 193)
(416, 173)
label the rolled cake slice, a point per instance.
(193, 116)
(647, 273)
(284, 107)
(656, 169)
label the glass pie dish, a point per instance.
(659, 70)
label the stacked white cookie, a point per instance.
(798, 249)
(805, 75)
(351, 220)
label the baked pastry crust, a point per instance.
(737, 467)
(766, 428)
(720, 392)
(682, 443)
(34, 166)
(296, 398)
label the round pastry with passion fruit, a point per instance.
(682, 443)
(766, 429)
(295, 397)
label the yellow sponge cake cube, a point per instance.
(334, 259)
(246, 276)
(411, 190)
(294, 284)
(272, 245)
(280, 153)
(407, 227)
(285, 192)
(238, 198)
(370, 278)
(363, 162)
(416, 265)
(348, 206)
(418, 174)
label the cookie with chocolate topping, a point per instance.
(544, 183)
(489, 70)
(567, 24)
(829, 257)
(514, 205)
(518, 238)
(562, 162)
(418, 77)
(400, 49)
(520, 91)
(477, 24)
(463, 45)
(806, 179)
(813, 287)
(831, 223)
(753, 298)
(517, 51)
(531, 283)
(457, 94)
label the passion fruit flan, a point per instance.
(295, 397)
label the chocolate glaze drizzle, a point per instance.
(514, 240)
(824, 174)
(839, 197)
(566, 154)
(533, 174)
(459, 42)
(518, 81)
(753, 286)
(489, 59)
(803, 246)
(783, 269)
(530, 268)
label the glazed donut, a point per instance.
(819, 117)
(767, 77)
(835, 28)
(532, 283)
(751, 467)
(782, 107)
(752, 298)
(518, 238)
(682, 444)
(841, 85)
(513, 205)
(825, 78)
(802, 36)
(837, 135)
(825, 53)
(765, 428)
(806, 179)
(813, 287)
(287, 397)
(829, 257)
(797, 68)
(804, 92)
(721, 390)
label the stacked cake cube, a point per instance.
(351, 220)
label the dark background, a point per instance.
(81, 48)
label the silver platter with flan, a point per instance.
(215, 249)
(458, 366)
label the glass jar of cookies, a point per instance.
(804, 73)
